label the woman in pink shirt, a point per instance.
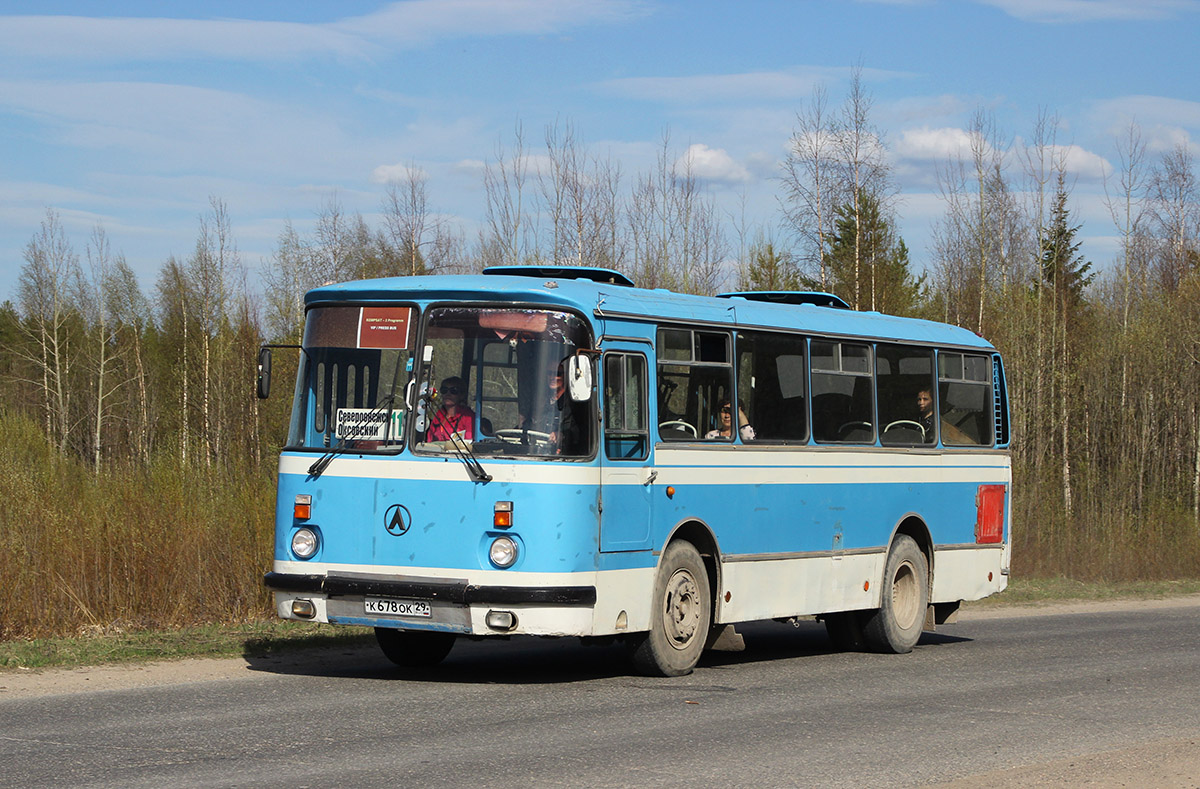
(454, 416)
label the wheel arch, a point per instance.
(914, 526)
(700, 535)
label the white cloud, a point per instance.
(924, 109)
(937, 145)
(933, 144)
(1163, 123)
(398, 25)
(128, 39)
(795, 83)
(419, 22)
(1082, 163)
(396, 173)
(472, 166)
(712, 164)
(178, 127)
(1092, 10)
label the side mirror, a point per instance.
(579, 378)
(264, 373)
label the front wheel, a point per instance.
(897, 624)
(414, 648)
(680, 616)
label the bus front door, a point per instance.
(627, 476)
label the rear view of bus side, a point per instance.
(554, 452)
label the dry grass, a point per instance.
(130, 548)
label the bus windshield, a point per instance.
(350, 390)
(493, 380)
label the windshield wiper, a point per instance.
(460, 447)
(462, 450)
(345, 444)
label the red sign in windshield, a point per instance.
(383, 327)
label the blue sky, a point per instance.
(132, 114)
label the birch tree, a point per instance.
(45, 298)
(810, 183)
(507, 225)
(859, 153)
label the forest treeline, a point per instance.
(138, 480)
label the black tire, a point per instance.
(680, 615)
(414, 648)
(896, 626)
(845, 629)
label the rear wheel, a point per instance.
(897, 624)
(414, 648)
(680, 615)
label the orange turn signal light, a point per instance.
(302, 509)
(502, 515)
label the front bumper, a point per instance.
(458, 592)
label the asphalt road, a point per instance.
(1002, 700)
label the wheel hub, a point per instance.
(683, 609)
(905, 596)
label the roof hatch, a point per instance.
(789, 297)
(602, 275)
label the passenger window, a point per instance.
(906, 392)
(965, 399)
(772, 384)
(842, 392)
(694, 375)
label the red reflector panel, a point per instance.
(989, 518)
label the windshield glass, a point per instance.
(494, 383)
(353, 372)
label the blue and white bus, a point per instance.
(553, 451)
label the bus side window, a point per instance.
(626, 433)
(842, 392)
(902, 374)
(965, 399)
(695, 373)
(771, 385)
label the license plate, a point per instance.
(387, 606)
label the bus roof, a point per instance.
(618, 300)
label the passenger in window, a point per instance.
(725, 423)
(455, 416)
(562, 419)
(925, 414)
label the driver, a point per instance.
(559, 416)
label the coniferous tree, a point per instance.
(880, 261)
(1067, 274)
(771, 268)
(1063, 268)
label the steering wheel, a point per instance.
(519, 435)
(680, 424)
(906, 423)
(845, 428)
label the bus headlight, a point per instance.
(304, 543)
(503, 552)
